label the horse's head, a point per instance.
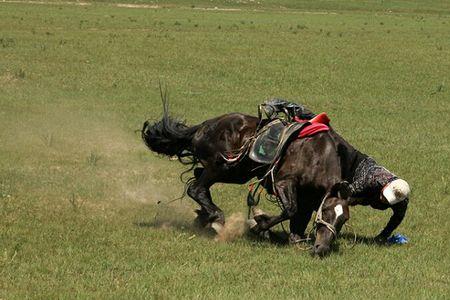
(331, 216)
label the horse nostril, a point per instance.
(321, 250)
(317, 249)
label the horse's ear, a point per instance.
(342, 190)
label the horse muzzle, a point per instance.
(321, 250)
(324, 239)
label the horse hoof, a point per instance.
(217, 226)
(265, 235)
(200, 223)
(254, 226)
(258, 212)
(295, 238)
(251, 223)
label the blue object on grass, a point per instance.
(398, 239)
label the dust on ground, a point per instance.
(90, 155)
(235, 227)
(93, 161)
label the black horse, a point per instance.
(310, 175)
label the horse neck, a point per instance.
(348, 155)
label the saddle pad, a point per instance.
(317, 124)
(312, 129)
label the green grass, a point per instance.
(78, 189)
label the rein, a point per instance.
(320, 220)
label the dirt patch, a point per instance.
(48, 2)
(217, 8)
(136, 5)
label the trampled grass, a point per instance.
(78, 189)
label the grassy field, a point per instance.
(78, 189)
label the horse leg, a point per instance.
(298, 224)
(399, 210)
(287, 194)
(208, 213)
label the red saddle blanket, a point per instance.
(317, 124)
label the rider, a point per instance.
(371, 183)
(374, 181)
(376, 186)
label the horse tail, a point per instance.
(169, 136)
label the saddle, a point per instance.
(272, 139)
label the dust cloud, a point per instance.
(72, 152)
(235, 227)
(97, 157)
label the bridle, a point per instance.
(319, 220)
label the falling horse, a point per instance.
(309, 176)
